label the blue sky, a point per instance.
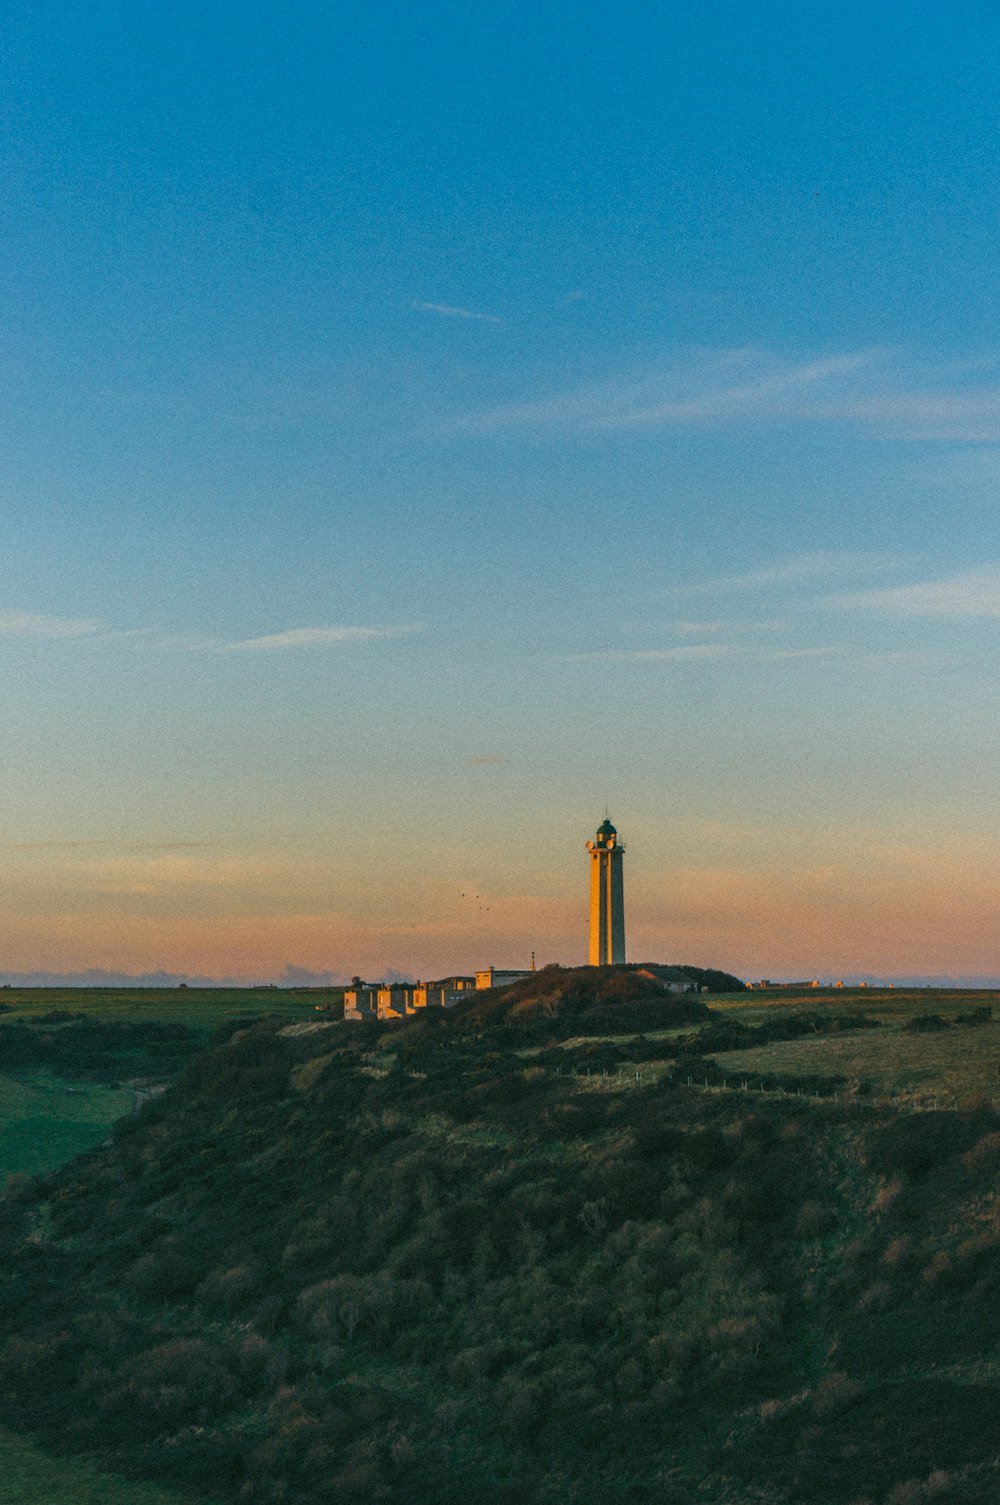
(423, 426)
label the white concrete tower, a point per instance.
(607, 898)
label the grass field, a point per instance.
(944, 1068)
(27, 1477)
(948, 1068)
(878, 1003)
(198, 1008)
(45, 1121)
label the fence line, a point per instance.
(941, 1102)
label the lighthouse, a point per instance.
(607, 898)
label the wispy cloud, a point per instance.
(761, 395)
(37, 626)
(800, 586)
(972, 415)
(883, 392)
(819, 564)
(652, 655)
(695, 387)
(695, 627)
(312, 637)
(115, 846)
(118, 634)
(689, 629)
(483, 760)
(781, 655)
(972, 594)
(746, 653)
(23, 624)
(450, 312)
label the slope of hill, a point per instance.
(427, 1262)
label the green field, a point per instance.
(944, 1068)
(46, 1120)
(198, 1008)
(28, 1477)
(878, 1003)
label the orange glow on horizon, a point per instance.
(743, 925)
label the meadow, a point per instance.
(900, 1004)
(203, 1009)
(927, 1052)
(919, 1048)
(933, 1069)
(45, 1121)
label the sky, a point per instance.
(425, 426)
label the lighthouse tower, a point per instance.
(607, 899)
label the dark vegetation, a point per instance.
(76, 1045)
(922, 1024)
(580, 1000)
(429, 1262)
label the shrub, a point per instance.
(708, 1149)
(981, 1015)
(936, 1486)
(226, 1290)
(164, 1275)
(918, 1142)
(335, 1307)
(885, 1196)
(877, 1297)
(835, 1393)
(940, 1268)
(984, 1155)
(814, 1219)
(898, 1253)
(923, 1024)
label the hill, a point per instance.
(467, 1257)
(560, 1001)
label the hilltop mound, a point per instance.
(561, 1001)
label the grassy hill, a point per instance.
(509, 1254)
